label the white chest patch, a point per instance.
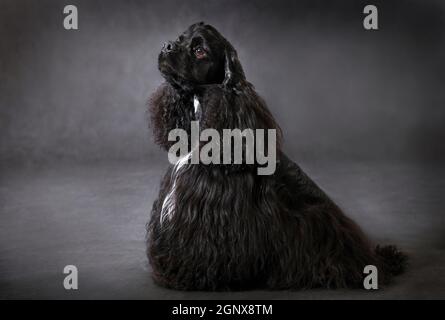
(196, 103)
(168, 206)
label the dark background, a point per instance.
(336, 89)
(361, 111)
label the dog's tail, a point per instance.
(394, 262)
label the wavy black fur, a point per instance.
(233, 229)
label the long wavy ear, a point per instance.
(233, 71)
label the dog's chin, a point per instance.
(175, 79)
(165, 68)
(166, 71)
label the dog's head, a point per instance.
(200, 56)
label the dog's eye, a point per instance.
(200, 52)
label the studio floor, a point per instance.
(93, 216)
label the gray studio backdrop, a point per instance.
(337, 90)
(362, 112)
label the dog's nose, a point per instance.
(168, 46)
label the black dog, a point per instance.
(227, 227)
